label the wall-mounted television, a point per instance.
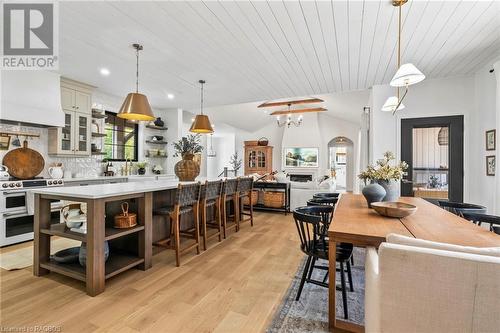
(300, 157)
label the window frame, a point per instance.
(136, 146)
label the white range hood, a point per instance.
(31, 96)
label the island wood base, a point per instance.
(97, 270)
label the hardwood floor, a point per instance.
(235, 286)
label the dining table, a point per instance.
(354, 222)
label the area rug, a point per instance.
(310, 313)
(22, 258)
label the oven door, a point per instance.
(15, 228)
(12, 202)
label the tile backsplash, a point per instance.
(84, 166)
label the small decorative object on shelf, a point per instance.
(82, 255)
(187, 169)
(263, 141)
(159, 123)
(386, 175)
(157, 169)
(125, 219)
(141, 167)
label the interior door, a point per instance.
(433, 148)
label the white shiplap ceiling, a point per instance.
(262, 50)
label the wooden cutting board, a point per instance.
(24, 163)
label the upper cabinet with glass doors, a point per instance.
(75, 137)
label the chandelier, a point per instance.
(406, 74)
(288, 121)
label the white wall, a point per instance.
(430, 98)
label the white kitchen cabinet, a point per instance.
(75, 137)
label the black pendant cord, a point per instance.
(202, 82)
(137, 71)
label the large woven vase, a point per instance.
(187, 169)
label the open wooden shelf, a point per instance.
(60, 229)
(117, 262)
(156, 156)
(97, 153)
(98, 115)
(157, 142)
(98, 135)
(157, 127)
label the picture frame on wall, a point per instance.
(490, 165)
(300, 157)
(491, 140)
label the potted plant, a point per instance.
(235, 163)
(141, 167)
(383, 179)
(187, 169)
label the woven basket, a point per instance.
(251, 143)
(274, 199)
(254, 197)
(125, 219)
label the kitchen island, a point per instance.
(131, 247)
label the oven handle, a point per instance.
(14, 194)
(14, 215)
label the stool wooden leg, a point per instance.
(177, 239)
(204, 225)
(224, 216)
(236, 205)
(196, 227)
(218, 219)
(251, 211)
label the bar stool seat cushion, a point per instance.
(166, 210)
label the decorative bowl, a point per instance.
(67, 256)
(394, 209)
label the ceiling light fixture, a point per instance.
(211, 152)
(104, 71)
(136, 106)
(170, 96)
(201, 123)
(406, 74)
(289, 120)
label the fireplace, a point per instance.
(301, 177)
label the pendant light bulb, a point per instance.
(201, 123)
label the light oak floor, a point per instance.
(235, 286)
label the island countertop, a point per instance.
(100, 191)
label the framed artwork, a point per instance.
(490, 165)
(491, 140)
(298, 157)
(4, 142)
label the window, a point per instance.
(120, 142)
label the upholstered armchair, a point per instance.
(414, 285)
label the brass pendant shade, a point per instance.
(201, 123)
(136, 106)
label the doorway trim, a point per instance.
(455, 153)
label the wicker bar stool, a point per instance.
(186, 201)
(229, 194)
(244, 190)
(211, 197)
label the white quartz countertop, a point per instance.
(100, 191)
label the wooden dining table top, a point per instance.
(354, 222)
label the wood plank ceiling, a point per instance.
(263, 50)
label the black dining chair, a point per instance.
(309, 221)
(459, 208)
(492, 220)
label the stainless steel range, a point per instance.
(16, 212)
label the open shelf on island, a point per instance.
(157, 127)
(60, 229)
(98, 135)
(157, 142)
(117, 262)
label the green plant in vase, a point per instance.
(141, 167)
(187, 169)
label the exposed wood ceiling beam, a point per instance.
(277, 113)
(300, 101)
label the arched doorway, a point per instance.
(341, 160)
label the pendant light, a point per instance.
(136, 106)
(201, 123)
(211, 152)
(406, 74)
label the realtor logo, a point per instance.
(29, 35)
